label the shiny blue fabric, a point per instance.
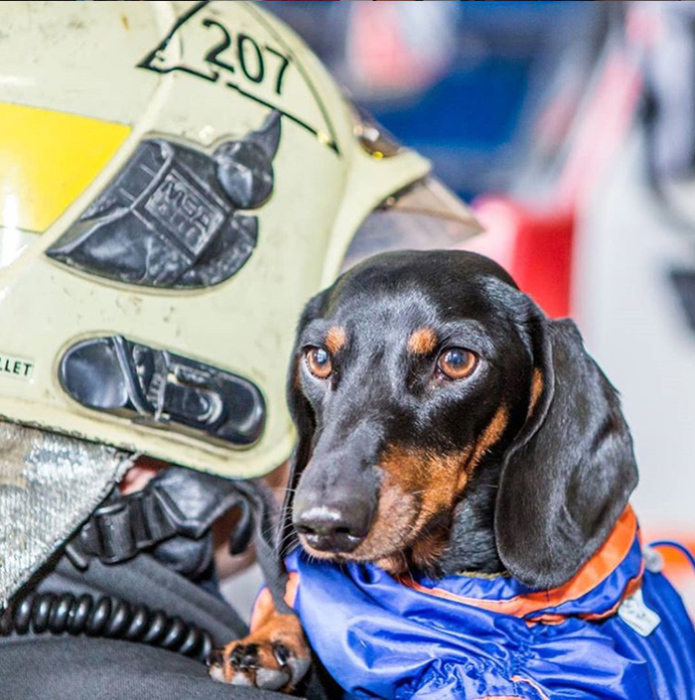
(380, 638)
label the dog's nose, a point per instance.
(338, 527)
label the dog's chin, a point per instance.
(390, 558)
(323, 555)
(334, 555)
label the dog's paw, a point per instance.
(274, 657)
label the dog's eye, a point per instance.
(319, 362)
(457, 363)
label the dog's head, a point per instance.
(417, 375)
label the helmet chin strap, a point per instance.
(171, 518)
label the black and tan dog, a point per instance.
(445, 424)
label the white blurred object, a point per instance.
(634, 327)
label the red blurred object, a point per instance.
(541, 261)
(534, 244)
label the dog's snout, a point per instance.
(335, 527)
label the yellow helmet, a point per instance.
(178, 178)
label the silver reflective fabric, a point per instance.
(49, 484)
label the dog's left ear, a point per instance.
(569, 473)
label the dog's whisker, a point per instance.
(283, 542)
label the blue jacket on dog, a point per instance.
(615, 631)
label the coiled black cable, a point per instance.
(105, 616)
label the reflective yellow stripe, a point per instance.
(47, 159)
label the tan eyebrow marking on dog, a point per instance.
(536, 389)
(422, 341)
(335, 339)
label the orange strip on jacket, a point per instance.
(596, 570)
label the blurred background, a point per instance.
(570, 127)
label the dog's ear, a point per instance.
(303, 418)
(569, 473)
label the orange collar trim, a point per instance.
(592, 574)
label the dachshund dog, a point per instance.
(445, 424)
